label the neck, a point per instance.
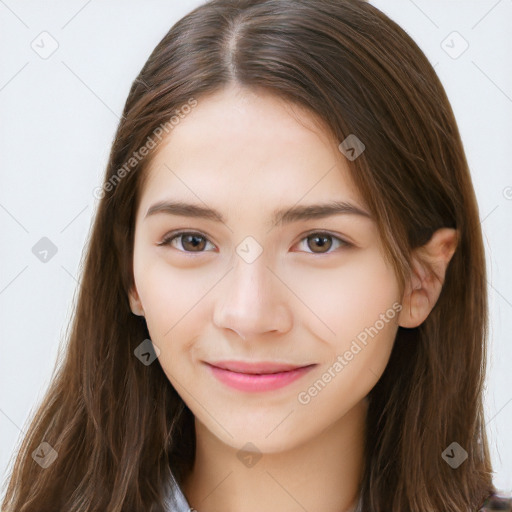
(323, 474)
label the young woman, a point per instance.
(283, 304)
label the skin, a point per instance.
(246, 154)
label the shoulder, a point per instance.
(497, 502)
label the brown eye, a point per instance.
(193, 242)
(321, 243)
(189, 242)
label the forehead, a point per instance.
(254, 150)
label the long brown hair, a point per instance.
(118, 426)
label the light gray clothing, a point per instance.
(175, 501)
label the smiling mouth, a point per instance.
(263, 376)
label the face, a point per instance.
(256, 321)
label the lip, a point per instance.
(257, 376)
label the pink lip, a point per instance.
(264, 376)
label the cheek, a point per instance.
(360, 304)
(172, 299)
(348, 298)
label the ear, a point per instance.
(429, 268)
(135, 303)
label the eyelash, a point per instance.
(176, 234)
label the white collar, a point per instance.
(175, 500)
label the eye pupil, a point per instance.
(322, 243)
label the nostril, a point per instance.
(239, 334)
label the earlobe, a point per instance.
(430, 263)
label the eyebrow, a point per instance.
(281, 216)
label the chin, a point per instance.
(265, 440)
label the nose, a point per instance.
(253, 301)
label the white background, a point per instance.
(58, 118)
